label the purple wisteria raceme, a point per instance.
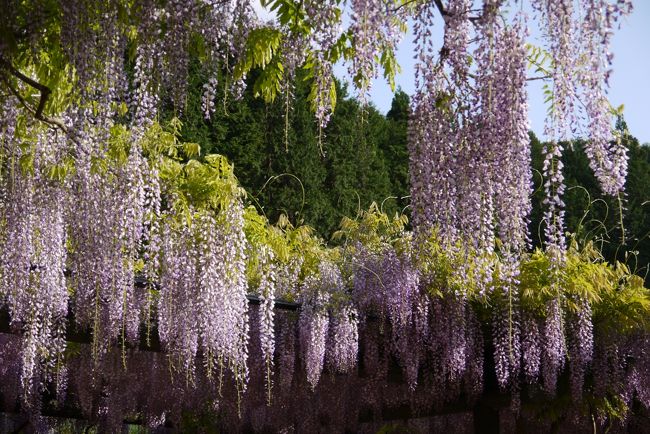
(105, 247)
(322, 17)
(34, 258)
(224, 26)
(607, 157)
(235, 304)
(203, 264)
(554, 352)
(267, 291)
(314, 324)
(287, 276)
(557, 18)
(506, 336)
(580, 339)
(470, 162)
(369, 291)
(178, 326)
(554, 189)
(324, 89)
(432, 162)
(179, 19)
(375, 30)
(531, 348)
(221, 303)
(513, 183)
(151, 239)
(343, 345)
(209, 95)
(401, 282)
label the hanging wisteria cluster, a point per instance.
(375, 29)
(113, 229)
(32, 282)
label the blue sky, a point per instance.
(630, 81)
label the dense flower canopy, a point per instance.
(109, 224)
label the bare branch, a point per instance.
(541, 77)
(38, 115)
(45, 91)
(406, 3)
(441, 7)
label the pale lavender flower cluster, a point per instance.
(430, 136)
(324, 88)
(506, 336)
(580, 343)
(510, 113)
(368, 288)
(386, 284)
(470, 163)
(33, 242)
(557, 16)
(322, 17)
(225, 26)
(456, 345)
(93, 41)
(607, 158)
(151, 239)
(531, 348)
(591, 25)
(314, 325)
(178, 324)
(554, 350)
(343, 340)
(209, 95)
(204, 265)
(554, 214)
(402, 304)
(106, 246)
(558, 23)
(375, 29)
(164, 32)
(325, 336)
(267, 290)
(287, 276)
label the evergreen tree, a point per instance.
(395, 148)
(361, 156)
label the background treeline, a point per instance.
(287, 166)
(359, 158)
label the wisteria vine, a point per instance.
(96, 194)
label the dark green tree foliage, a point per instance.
(361, 158)
(593, 216)
(395, 147)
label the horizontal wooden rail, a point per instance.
(146, 343)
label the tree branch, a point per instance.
(541, 77)
(45, 91)
(37, 114)
(406, 3)
(441, 8)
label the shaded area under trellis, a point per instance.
(148, 341)
(375, 396)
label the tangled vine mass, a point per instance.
(113, 228)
